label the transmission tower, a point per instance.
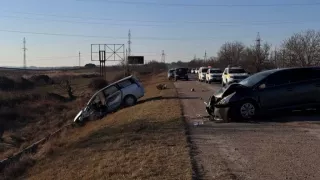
(258, 53)
(129, 43)
(163, 57)
(205, 56)
(195, 57)
(79, 58)
(24, 54)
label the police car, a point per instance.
(233, 75)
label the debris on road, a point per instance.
(192, 90)
(161, 86)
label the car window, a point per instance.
(279, 78)
(298, 75)
(125, 83)
(215, 71)
(110, 90)
(204, 70)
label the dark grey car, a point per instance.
(271, 90)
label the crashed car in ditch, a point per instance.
(265, 92)
(124, 92)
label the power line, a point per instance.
(222, 23)
(109, 37)
(206, 5)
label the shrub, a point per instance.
(41, 79)
(6, 83)
(98, 83)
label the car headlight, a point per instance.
(223, 101)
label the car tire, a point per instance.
(246, 110)
(129, 100)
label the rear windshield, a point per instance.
(182, 70)
(215, 71)
(204, 70)
(236, 71)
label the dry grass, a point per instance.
(146, 141)
(27, 116)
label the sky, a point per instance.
(56, 31)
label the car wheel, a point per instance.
(129, 101)
(247, 110)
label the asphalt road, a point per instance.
(259, 150)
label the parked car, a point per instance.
(213, 74)
(124, 92)
(181, 73)
(196, 71)
(193, 71)
(233, 75)
(171, 74)
(267, 92)
(202, 73)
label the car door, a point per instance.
(316, 84)
(302, 87)
(276, 92)
(113, 97)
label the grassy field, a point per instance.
(146, 141)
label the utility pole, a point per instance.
(79, 58)
(205, 56)
(195, 57)
(24, 54)
(275, 57)
(129, 43)
(163, 57)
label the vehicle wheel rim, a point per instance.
(130, 101)
(247, 110)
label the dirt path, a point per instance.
(265, 150)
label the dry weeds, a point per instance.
(146, 141)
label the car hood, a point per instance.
(225, 91)
(239, 74)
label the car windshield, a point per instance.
(215, 71)
(238, 70)
(204, 70)
(254, 79)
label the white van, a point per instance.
(202, 73)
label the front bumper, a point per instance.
(218, 113)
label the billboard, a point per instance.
(135, 59)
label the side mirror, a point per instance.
(262, 86)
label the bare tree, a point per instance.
(256, 58)
(230, 53)
(302, 49)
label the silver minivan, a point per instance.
(124, 92)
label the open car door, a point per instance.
(113, 98)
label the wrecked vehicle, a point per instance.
(181, 73)
(265, 92)
(124, 92)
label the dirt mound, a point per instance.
(41, 79)
(54, 96)
(98, 83)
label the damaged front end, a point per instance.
(218, 105)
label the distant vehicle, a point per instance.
(233, 75)
(196, 71)
(213, 74)
(193, 71)
(171, 74)
(124, 92)
(181, 73)
(267, 92)
(202, 73)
